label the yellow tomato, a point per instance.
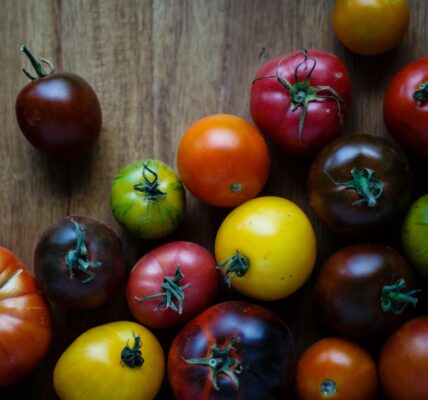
(116, 361)
(266, 248)
(370, 27)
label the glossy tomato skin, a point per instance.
(350, 289)
(199, 284)
(403, 362)
(25, 320)
(370, 27)
(262, 348)
(77, 288)
(342, 208)
(272, 111)
(338, 369)
(223, 160)
(406, 118)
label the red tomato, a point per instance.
(25, 320)
(403, 363)
(301, 100)
(223, 160)
(171, 284)
(338, 369)
(405, 107)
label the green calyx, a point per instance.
(77, 258)
(236, 265)
(392, 299)
(37, 65)
(150, 185)
(220, 361)
(422, 93)
(131, 356)
(328, 387)
(172, 295)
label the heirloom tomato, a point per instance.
(233, 350)
(58, 112)
(148, 199)
(405, 108)
(266, 248)
(120, 360)
(223, 160)
(301, 100)
(364, 290)
(360, 184)
(171, 284)
(25, 320)
(337, 369)
(79, 262)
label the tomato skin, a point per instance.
(53, 273)
(263, 347)
(223, 160)
(25, 320)
(277, 239)
(92, 366)
(337, 360)
(405, 117)
(153, 214)
(403, 362)
(195, 263)
(272, 111)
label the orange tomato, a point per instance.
(223, 160)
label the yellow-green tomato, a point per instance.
(148, 199)
(415, 234)
(266, 248)
(118, 361)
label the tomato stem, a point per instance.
(220, 361)
(38, 67)
(172, 291)
(393, 300)
(328, 387)
(132, 357)
(150, 187)
(236, 265)
(422, 93)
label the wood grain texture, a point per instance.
(157, 66)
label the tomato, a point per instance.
(25, 320)
(120, 360)
(360, 184)
(58, 112)
(403, 362)
(335, 368)
(364, 290)
(79, 262)
(301, 100)
(370, 27)
(148, 199)
(171, 284)
(233, 350)
(266, 248)
(405, 111)
(223, 160)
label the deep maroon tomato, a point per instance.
(403, 363)
(79, 262)
(58, 112)
(301, 100)
(365, 290)
(171, 284)
(360, 184)
(405, 108)
(233, 350)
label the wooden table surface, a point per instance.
(157, 66)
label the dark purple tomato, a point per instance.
(366, 290)
(79, 263)
(58, 112)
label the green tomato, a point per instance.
(148, 199)
(415, 234)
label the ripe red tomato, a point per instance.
(233, 350)
(338, 369)
(223, 160)
(301, 100)
(58, 112)
(405, 109)
(171, 284)
(403, 362)
(25, 320)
